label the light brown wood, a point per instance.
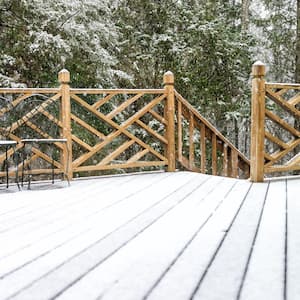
(209, 135)
(280, 92)
(87, 126)
(276, 140)
(41, 171)
(64, 79)
(102, 101)
(280, 154)
(137, 156)
(81, 143)
(179, 131)
(214, 157)
(257, 122)
(33, 112)
(294, 100)
(185, 163)
(203, 148)
(191, 142)
(165, 98)
(29, 91)
(169, 90)
(115, 91)
(283, 103)
(209, 126)
(139, 164)
(142, 111)
(234, 164)
(288, 168)
(124, 105)
(295, 161)
(282, 123)
(120, 129)
(288, 86)
(225, 160)
(151, 131)
(115, 153)
(158, 117)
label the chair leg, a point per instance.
(15, 156)
(6, 167)
(52, 166)
(29, 174)
(23, 166)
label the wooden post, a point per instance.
(191, 142)
(169, 88)
(225, 160)
(64, 79)
(203, 147)
(214, 157)
(179, 131)
(257, 122)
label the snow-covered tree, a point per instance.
(202, 42)
(38, 38)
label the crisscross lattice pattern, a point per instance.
(118, 129)
(35, 113)
(282, 132)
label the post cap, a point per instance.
(64, 76)
(168, 78)
(258, 69)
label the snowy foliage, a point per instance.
(209, 46)
(42, 37)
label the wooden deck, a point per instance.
(152, 236)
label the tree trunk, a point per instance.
(245, 14)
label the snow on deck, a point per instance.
(151, 236)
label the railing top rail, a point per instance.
(80, 91)
(283, 85)
(29, 90)
(116, 91)
(211, 127)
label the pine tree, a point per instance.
(41, 37)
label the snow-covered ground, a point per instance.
(159, 236)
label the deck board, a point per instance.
(227, 266)
(153, 236)
(192, 264)
(293, 244)
(266, 268)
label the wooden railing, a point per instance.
(202, 148)
(16, 124)
(112, 130)
(275, 138)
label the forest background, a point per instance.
(209, 46)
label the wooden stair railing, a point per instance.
(202, 148)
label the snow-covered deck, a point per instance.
(152, 236)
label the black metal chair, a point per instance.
(6, 143)
(38, 127)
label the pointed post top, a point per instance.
(168, 78)
(64, 76)
(258, 69)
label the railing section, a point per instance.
(202, 148)
(35, 121)
(275, 136)
(117, 129)
(112, 130)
